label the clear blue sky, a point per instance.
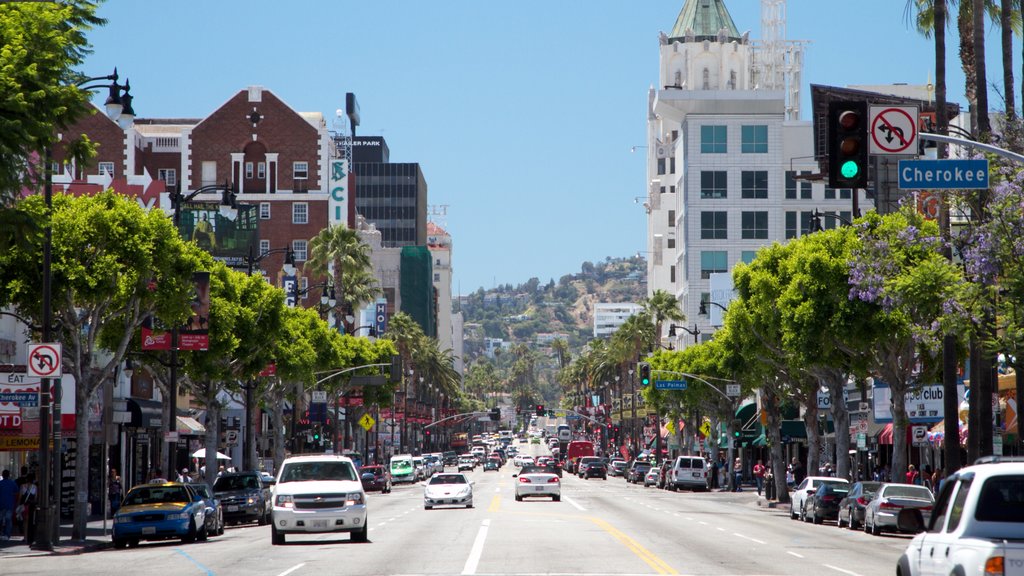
(521, 113)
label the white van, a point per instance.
(688, 472)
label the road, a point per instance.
(599, 527)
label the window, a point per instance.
(790, 185)
(671, 243)
(845, 193)
(671, 189)
(714, 225)
(712, 139)
(754, 139)
(790, 225)
(261, 170)
(672, 274)
(705, 297)
(755, 184)
(264, 247)
(300, 213)
(300, 170)
(168, 175)
(106, 168)
(805, 222)
(848, 216)
(672, 165)
(755, 226)
(713, 261)
(437, 277)
(956, 511)
(828, 220)
(662, 190)
(805, 186)
(248, 169)
(299, 250)
(713, 184)
(747, 256)
(830, 193)
(661, 166)
(671, 218)
(264, 210)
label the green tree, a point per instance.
(43, 43)
(338, 251)
(662, 306)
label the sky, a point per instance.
(521, 113)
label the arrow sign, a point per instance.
(670, 384)
(893, 130)
(44, 360)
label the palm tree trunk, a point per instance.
(984, 127)
(967, 61)
(1006, 12)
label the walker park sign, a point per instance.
(943, 174)
(19, 409)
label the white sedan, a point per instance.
(448, 489)
(523, 460)
(538, 481)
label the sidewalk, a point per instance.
(94, 540)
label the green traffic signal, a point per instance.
(849, 169)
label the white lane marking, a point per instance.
(477, 550)
(498, 489)
(749, 538)
(841, 570)
(794, 554)
(573, 502)
(721, 529)
(703, 523)
(292, 569)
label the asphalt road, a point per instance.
(599, 527)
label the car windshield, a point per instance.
(537, 470)
(157, 495)
(201, 489)
(401, 465)
(317, 470)
(225, 483)
(448, 479)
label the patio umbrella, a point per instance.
(201, 453)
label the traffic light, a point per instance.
(847, 144)
(396, 369)
(495, 414)
(540, 410)
(426, 433)
(645, 373)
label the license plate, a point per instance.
(232, 508)
(149, 529)
(539, 489)
(696, 474)
(319, 523)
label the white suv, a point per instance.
(319, 493)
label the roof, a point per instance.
(703, 20)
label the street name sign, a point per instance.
(670, 384)
(943, 174)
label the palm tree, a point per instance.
(340, 252)
(662, 306)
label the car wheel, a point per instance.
(261, 520)
(133, 542)
(867, 527)
(815, 518)
(853, 520)
(276, 538)
(362, 535)
(839, 519)
(191, 536)
(519, 498)
(556, 498)
(876, 530)
(203, 534)
(120, 543)
(469, 505)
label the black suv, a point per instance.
(596, 469)
(244, 497)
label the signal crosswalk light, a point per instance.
(847, 144)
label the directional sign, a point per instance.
(920, 435)
(943, 174)
(670, 384)
(893, 130)
(44, 360)
(367, 422)
(732, 389)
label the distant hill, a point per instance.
(534, 313)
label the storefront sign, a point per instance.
(924, 404)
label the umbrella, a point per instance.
(201, 453)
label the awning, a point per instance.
(793, 429)
(759, 441)
(746, 413)
(190, 426)
(145, 413)
(885, 436)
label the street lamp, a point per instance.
(178, 198)
(816, 220)
(118, 107)
(695, 331)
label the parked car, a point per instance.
(318, 493)
(824, 503)
(244, 496)
(651, 478)
(375, 478)
(663, 473)
(448, 489)
(688, 472)
(883, 510)
(618, 467)
(808, 486)
(976, 526)
(851, 508)
(637, 471)
(537, 481)
(160, 512)
(214, 511)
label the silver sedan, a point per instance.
(538, 481)
(448, 489)
(884, 508)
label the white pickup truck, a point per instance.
(976, 526)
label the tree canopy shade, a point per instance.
(42, 45)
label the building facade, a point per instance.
(609, 316)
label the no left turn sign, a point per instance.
(44, 360)
(893, 130)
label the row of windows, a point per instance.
(715, 225)
(299, 249)
(714, 184)
(717, 261)
(714, 139)
(300, 170)
(300, 212)
(829, 220)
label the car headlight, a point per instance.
(178, 516)
(122, 518)
(354, 498)
(250, 500)
(285, 501)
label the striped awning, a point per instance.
(190, 426)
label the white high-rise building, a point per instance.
(725, 154)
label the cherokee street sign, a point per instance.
(943, 174)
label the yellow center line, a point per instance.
(495, 504)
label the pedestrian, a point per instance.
(759, 476)
(27, 498)
(798, 471)
(737, 475)
(713, 476)
(114, 491)
(911, 476)
(769, 482)
(926, 476)
(157, 476)
(8, 500)
(184, 477)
